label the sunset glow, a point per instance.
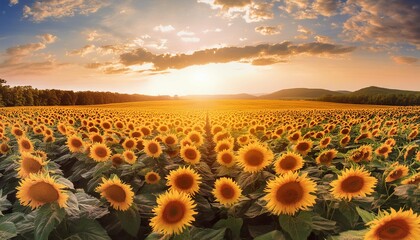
(190, 47)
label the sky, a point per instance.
(186, 47)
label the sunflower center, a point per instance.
(352, 184)
(170, 140)
(383, 150)
(76, 143)
(184, 181)
(26, 144)
(97, 138)
(325, 158)
(289, 193)
(153, 148)
(18, 132)
(117, 160)
(396, 174)
(227, 158)
(173, 212)
(43, 192)
(4, 148)
(101, 152)
(302, 146)
(129, 144)
(325, 141)
(152, 177)
(195, 138)
(115, 193)
(394, 229)
(31, 165)
(223, 146)
(254, 157)
(227, 191)
(190, 153)
(288, 163)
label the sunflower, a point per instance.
(345, 140)
(129, 156)
(25, 145)
(226, 191)
(294, 137)
(243, 140)
(196, 138)
(99, 152)
(290, 192)
(174, 212)
(353, 182)
(170, 140)
(303, 147)
(152, 177)
(29, 164)
(4, 148)
(226, 158)
(129, 144)
(152, 148)
(401, 225)
(225, 144)
(75, 144)
(117, 193)
(414, 179)
(96, 138)
(117, 159)
(324, 142)
(396, 173)
(39, 189)
(383, 150)
(17, 132)
(190, 154)
(288, 162)
(254, 157)
(326, 157)
(184, 179)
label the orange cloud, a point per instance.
(404, 59)
(279, 51)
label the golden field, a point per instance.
(210, 169)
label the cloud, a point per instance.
(326, 8)
(166, 28)
(48, 38)
(227, 4)
(404, 59)
(268, 30)
(299, 9)
(26, 58)
(41, 10)
(279, 51)
(83, 51)
(383, 21)
(13, 2)
(324, 39)
(266, 61)
(249, 10)
(185, 33)
(212, 30)
(304, 32)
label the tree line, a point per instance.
(29, 96)
(394, 99)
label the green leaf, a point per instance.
(4, 203)
(322, 224)
(234, 224)
(273, 235)
(130, 220)
(298, 227)
(365, 215)
(86, 229)
(48, 217)
(89, 206)
(207, 233)
(184, 235)
(7, 230)
(350, 235)
(65, 182)
(72, 208)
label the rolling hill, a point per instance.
(300, 93)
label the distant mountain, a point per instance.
(378, 90)
(220, 96)
(300, 93)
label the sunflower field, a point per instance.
(209, 172)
